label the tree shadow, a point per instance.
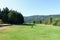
(25, 24)
(28, 24)
(31, 25)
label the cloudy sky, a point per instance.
(33, 7)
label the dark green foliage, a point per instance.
(40, 21)
(55, 23)
(5, 12)
(11, 16)
(0, 13)
(51, 20)
(34, 22)
(15, 17)
(1, 22)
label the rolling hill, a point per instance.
(38, 17)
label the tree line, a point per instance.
(52, 21)
(11, 16)
(49, 21)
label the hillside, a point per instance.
(38, 17)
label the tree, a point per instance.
(33, 22)
(40, 21)
(11, 16)
(5, 12)
(0, 13)
(15, 17)
(50, 20)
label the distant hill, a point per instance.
(38, 17)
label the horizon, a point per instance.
(33, 7)
(42, 15)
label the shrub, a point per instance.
(57, 23)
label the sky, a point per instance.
(33, 7)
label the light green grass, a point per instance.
(38, 32)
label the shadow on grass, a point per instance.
(31, 25)
(26, 24)
(3, 25)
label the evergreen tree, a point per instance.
(5, 12)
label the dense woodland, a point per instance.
(11, 16)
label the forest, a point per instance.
(10, 16)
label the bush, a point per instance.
(34, 22)
(57, 23)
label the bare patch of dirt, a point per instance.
(3, 25)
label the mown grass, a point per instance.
(24, 32)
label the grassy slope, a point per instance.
(39, 32)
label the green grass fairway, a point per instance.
(24, 32)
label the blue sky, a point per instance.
(33, 7)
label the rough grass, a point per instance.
(24, 32)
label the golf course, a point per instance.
(26, 32)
